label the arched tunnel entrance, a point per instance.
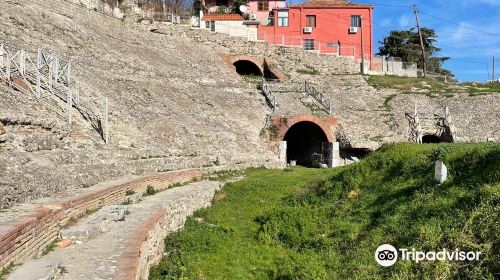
(247, 68)
(431, 138)
(306, 144)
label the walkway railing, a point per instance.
(319, 97)
(49, 73)
(271, 101)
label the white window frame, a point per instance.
(282, 19)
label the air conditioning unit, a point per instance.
(353, 30)
(253, 17)
(308, 29)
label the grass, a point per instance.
(6, 270)
(224, 175)
(482, 89)
(326, 224)
(51, 247)
(308, 71)
(431, 87)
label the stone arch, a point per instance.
(283, 124)
(264, 64)
(247, 67)
(306, 144)
(305, 139)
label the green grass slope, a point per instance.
(326, 224)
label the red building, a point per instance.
(327, 26)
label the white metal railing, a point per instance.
(271, 100)
(49, 73)
(319, 97)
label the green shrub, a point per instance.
(150, 190)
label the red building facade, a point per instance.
(327, 26)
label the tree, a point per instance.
(196, 7)
(406, 45)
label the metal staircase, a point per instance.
(48, 76)
(319, 97)
(271, 101)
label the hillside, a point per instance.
(315, 224)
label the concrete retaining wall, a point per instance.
(234, 28)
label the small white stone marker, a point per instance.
(282, 151)
(440, 172)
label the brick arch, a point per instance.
(259, 61)
(283, 124)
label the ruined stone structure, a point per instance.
(177, 100)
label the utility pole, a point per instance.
(415, 10)
(493, 78)
(362, 48)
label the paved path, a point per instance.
(98, 258)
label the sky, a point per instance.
(468, 31)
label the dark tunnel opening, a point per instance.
(431, 138)
(247, 68)
(305, 144)
(350, 153)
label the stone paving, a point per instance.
(98, 258)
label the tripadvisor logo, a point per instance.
(387, 255)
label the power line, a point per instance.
(455, 23)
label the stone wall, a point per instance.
(27, 238)
(391, 66)
(288, 59)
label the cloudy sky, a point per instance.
(468, 30)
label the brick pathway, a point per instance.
(98, 258)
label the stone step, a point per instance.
(41, 269)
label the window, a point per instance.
(311, 21)
(207, 24)
(212, 26)
(283, 18)
(355, 21)
(309, 44)
(263, 5)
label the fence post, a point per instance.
(7, 70)
(38, 74)
(319, 46)
(106, 121)
(22, 62)
(50, 65)
(283, 40)
(68, 72)
(56, 68)
(2, 53)
(70, 105)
